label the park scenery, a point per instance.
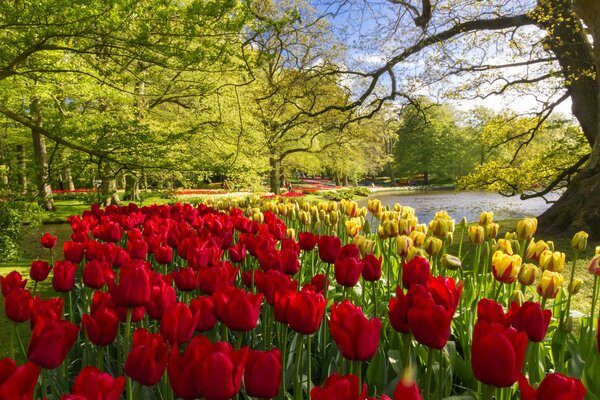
(282, 299)
(300, 199)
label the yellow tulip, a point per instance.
(526, 228)
(552, 261)
(505, 268)
(549, 284)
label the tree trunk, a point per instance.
(22, 169)
(108, 188)
(579, 206)
(274, 173)
(132, 188)
(69, 178)
(41, 160)
(4, 166)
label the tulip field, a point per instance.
(280, 298)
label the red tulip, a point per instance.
(347, 271)
(497, 354)
(237, 253)
(430, 316)
(305, 311)
(407, 389)
(93, 384)
(210, 371)
(320, 283)
(356, 337)
(329, 248)
(350, 250)
(269, 282)
(95, 273)
(50, 342)
(178, 323)
(39, 270)
(398, 310)
(186, 279)
(262, 373)
(416, 271)
(371, 268)
(237, 309)
(16, 305)
(288, 260)
(489, 311)
(11, 281)
(63, 279)
(338, 387)
(203, 309)
(101, 326)
(133, 289)
(161, 296)
(163, 254)
(531, 319)
(147, 360)
(555, 386)
(45, 309)
(73, 251)
(307, 240)
(211, 278)
(282, 303)
(17, 382)
(48, 241)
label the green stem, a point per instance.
(12, 343)
(374, 285)
(71, 317)
(488, 392)
(44, 392)
(34, 288)
(284, 356)
(129, 389)
(429, 373)
(100, 358)
(594, 295)
(20, 341)
(406, 352)
(298, 379)
(308, 360)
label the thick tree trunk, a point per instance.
(274, 176)
(41, 160)
(69, 178)
(132, 188)
(108, 188)
(579, 206)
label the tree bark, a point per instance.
(579, 206)
(108, 188)
(274, 175)
(69, 178)
(41, 160)
(132, 188)
(4, 166)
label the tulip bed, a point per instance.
(296, 301)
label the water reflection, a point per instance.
(466, 204)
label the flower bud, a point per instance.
(433, 246)
(597, 251)
(334, 216)
(381, 232)
(568, 325)
(552, 261)
(476, 234)
(510, 236)
(516, 246)
(504, 246)
(406, 226)
(505, 268)
(549, 284)
(403, 243)
(305, 218)
(579, 242)
(526, 228)
(486, 218)
(353, 227)
(535, 249)
(422, 228)
(527, 274)
(517, 297)
(374, 206)
(367, 227)
(439, 227)
(418, 238)
(491, 230)
(290, 233)
(575, 286)
(449, 238)
(594, 267)
(450, 262)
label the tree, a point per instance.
(548, 48)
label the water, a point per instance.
(466, 204)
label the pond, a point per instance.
(465, 204)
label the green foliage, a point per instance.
(13, 215)
(431, 139)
